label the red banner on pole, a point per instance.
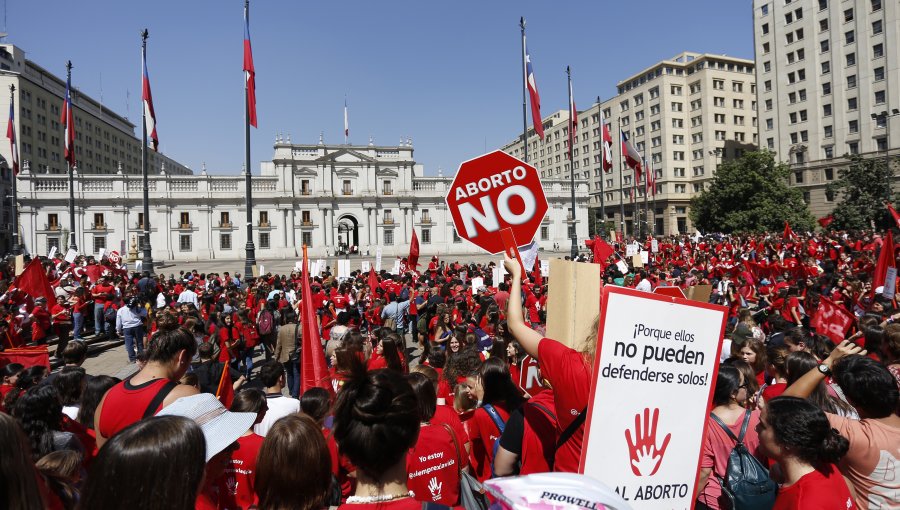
(832, 320)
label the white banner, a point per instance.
(654, 246)
(632, 249)
(623, 267)
(477, 282)
(545, 268)
(320, 266)
(378, 259)
(70, 255)
(890, 283)
(396, 269)
(645, 257)
(343, 269)
(366, 266)
(644, 443)
(101, 253)
(52, 252)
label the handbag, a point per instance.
(471, 492)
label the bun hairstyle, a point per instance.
(801, 426)
(376, 419)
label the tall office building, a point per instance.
(105, 142)
(686, 114)
(824, 69)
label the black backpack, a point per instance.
(747, 483)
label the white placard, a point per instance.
(463, 275)
(262, 270)
(654, 246)
(70, 255)
(890, 283)
(645, 257)
(138, 265)
(378, 259)
(101, 253)
(298, 266)
(650, 348)
(497, 276)
(366, 266)
(623, 267)
(320, 267)
(477, 282)
(52, 252)
(343, 269)
(396, 268)
(631, 249)
(545, 268)
(529, 254)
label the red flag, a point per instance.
(533, 93)
(373, 281)
(824, 222)
(412, 262)
(601, 249)
(313, 370)
(149, 114)
(607, 145)
(249, 71)
(832, 320)
(11, 134)
(26, 356)
(225, 391)
(885, 260)
(33, 281)
(632, 156)
(788, 233)
(894, 214)
(536, 275)
(67, 119)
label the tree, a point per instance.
(863, 189)
(750, 194)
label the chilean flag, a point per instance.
(249, 71)
(149, 114)
(650, 181)
(11, 134)
(632, 157)
(573, 120)
(607, 145)
(533, 93)
(67, 119)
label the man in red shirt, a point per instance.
(100, 292)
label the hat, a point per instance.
(220, 426)
(741, 333)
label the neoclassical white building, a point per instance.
(319, 195)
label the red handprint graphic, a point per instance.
(645, 456)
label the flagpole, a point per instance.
(621, 179)
(646, 211)
(72, 244)
(147, 258)
(15, 179)
(572, 123)
(250, 259)
(524, 93)
(602, 171)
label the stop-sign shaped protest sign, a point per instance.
(530, 376)
(493, 192)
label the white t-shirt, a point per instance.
(644, 285)
(279, 407)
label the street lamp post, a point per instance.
(889, 190)
(72, 169)
(16, 248)
(147, 257)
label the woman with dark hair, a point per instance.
(728, 412)
(376, 422)
(152, 388)
(154, 463)
(387, 355)
(438, 456)
(750, 384)
(20, 488)
(94, 389)
(251, 339)
(69, 383)
(796, 434)
(499, 397)
(797, 364)
(26, 379)
(316, 403)
(9, 375)
(230, 341)
(293, 441)
(39, 412)
(62, 472)
(80, 303)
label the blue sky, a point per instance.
(447, 74)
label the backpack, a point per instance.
(747, 483)
(498, 421)
(265, 323)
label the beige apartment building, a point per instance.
(827, 74)
(105, 142)
(686, 114)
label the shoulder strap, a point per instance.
(544, 409)
(725, 427)
(455, 444)
(744, 426)
(495, 417)
(572, 428)
(158, 399)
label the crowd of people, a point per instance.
(422, 400)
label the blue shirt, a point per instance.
(128, 317)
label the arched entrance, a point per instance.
(347, 234)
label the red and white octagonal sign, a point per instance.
(493, 192)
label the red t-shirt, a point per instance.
(539, 436)
(341, 467)
(236, 483)
(773, 391)
(99, 293)
(445, 414)
(482, 434)
(433, 466)
(570, 376)
(820, 490)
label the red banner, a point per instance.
(27, 356)
(832, 320)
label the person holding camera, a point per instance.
(130, 324)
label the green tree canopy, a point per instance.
(863, 189)
(750, 194)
